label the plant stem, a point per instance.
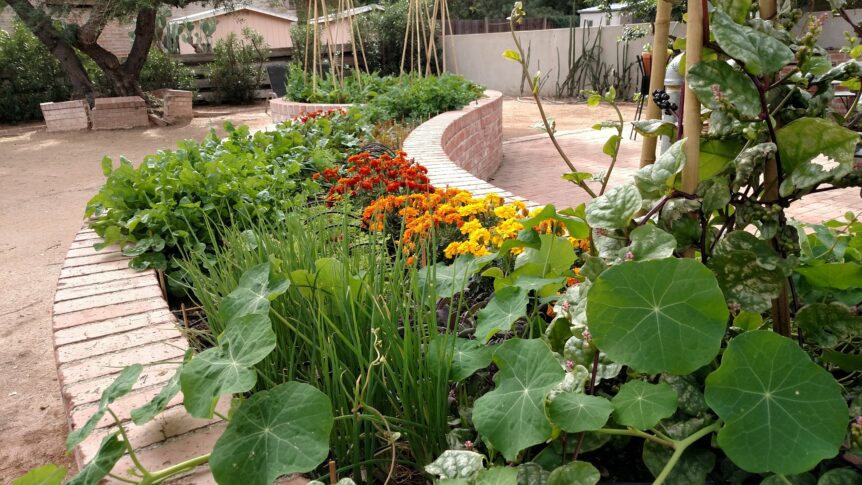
(616, 150)
(679, 448)
(164, 474)
(129, 447)
(636, 433)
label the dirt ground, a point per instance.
(520, 113)
(45, 181)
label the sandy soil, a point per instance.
(45, 181)
(520, 113)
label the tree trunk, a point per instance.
(43, 28)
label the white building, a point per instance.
(596, 16)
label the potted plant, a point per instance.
(647, 57)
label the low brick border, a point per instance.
(461, 148)
(283, 109)
(107, 316)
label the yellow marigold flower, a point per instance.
(451, 250)
(471, 226)
(471, 209)
(505, 212)
(481, 235)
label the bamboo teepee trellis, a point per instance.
(317, 10)
(420, 37)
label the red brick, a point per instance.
(106, 364)
(161, 318)
(138, 280)
(107, 312)
(107, 299)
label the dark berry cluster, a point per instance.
(662, 100)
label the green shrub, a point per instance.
(419, 98)
(29, 75)
(237, 68)
(357, 87)
(164, 207)
(163, 71)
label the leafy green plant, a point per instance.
(162, 71)
(167, 206)
(237, 67)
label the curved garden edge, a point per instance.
(107, 316)
(283, 109)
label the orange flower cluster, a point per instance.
(367, 178)
(463, 224)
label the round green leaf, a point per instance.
(508, 305)
(464, 356)
(664, 315)
(760, 53)
(782, 413)
(642, 405)
(650, 242)
(840, 476)
(44, 475)
(574, 473)
(277, 432)
(828, 324)
(512, 416)
(574, 413)
(614, 209)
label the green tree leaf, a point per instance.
(44, 475)
(110, 452)
(806, 138)
(693, 466)
(828, 324)
(507, 305)
(782, 412)
(575, 473)
(614, 209)
(465, 356)
(573, 412)
(119, 388)
(229, 367)
(711, 78)
(277, 432)
(650, 242)
(257, 287)
(642, 405)
(512, 416)
(833, 275)
(760, 53)
(664, 315)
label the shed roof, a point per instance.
(215, 12)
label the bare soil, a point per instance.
(46, 180)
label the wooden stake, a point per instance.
(315, 53)
(333, 474)
(307, 32)
(406, 35)
(691, 111)
(657, 74)
(443, 31)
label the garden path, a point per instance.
(46, 180)
(531, 168)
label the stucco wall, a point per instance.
(275, 31)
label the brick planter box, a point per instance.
(283, 110)
(66, 116)
(120, 113)
(177, 105)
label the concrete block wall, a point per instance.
(283, 110)
(120, 112)
(177, 104)
(66, 115)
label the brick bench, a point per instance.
(176, 104)
(120, 113)
(66, 115)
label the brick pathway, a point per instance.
(531, 168)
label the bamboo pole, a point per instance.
(316, 51)
(432, 39)
(691, 111)
(406, 35)
(657, 74)
(443, 32)
(307, 32)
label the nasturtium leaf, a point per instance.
(449, 280)
(746, 283)
(800, 479)
(716, 83)
(498, 475)
(110, 451)
(229, 367)
(465, 356)
(657, 178)
(840, 476)
(277, 432)
(748, 320)
(833, 275)
(573, 412)
(828, 324)
(532, 474)
(257, 287)
(542, 286)
(44, 475)
(642, 405)
(760, 53)
(119, 388)
(508, 305)
(160, 402)
(574, 473)
(614, 209)
(654, 128)
(456, 464)
(689, 396)
(782, 412)
(650, 242)
(664, 315)
(553, 257)
(512, 416)
(804, 139)
(693, 466)
(844, 361)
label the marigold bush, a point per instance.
(364, 178)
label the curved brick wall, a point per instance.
(282, 109)
(462, 148)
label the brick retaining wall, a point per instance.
(66, 115)
(120, 112)
(283, 109)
